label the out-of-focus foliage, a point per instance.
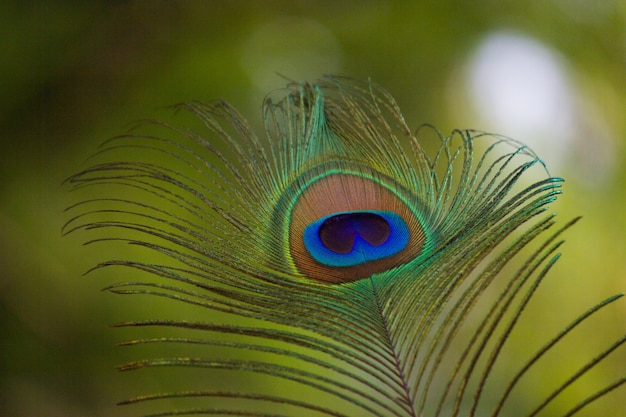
(77, 73)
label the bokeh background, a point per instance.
(551, 73)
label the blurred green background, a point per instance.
(551, 73)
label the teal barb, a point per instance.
(339, 263)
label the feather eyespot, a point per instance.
(349, 226)
(351, 238)
(340, 232)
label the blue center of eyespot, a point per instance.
(352, 238)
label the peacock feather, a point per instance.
(338, 264)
